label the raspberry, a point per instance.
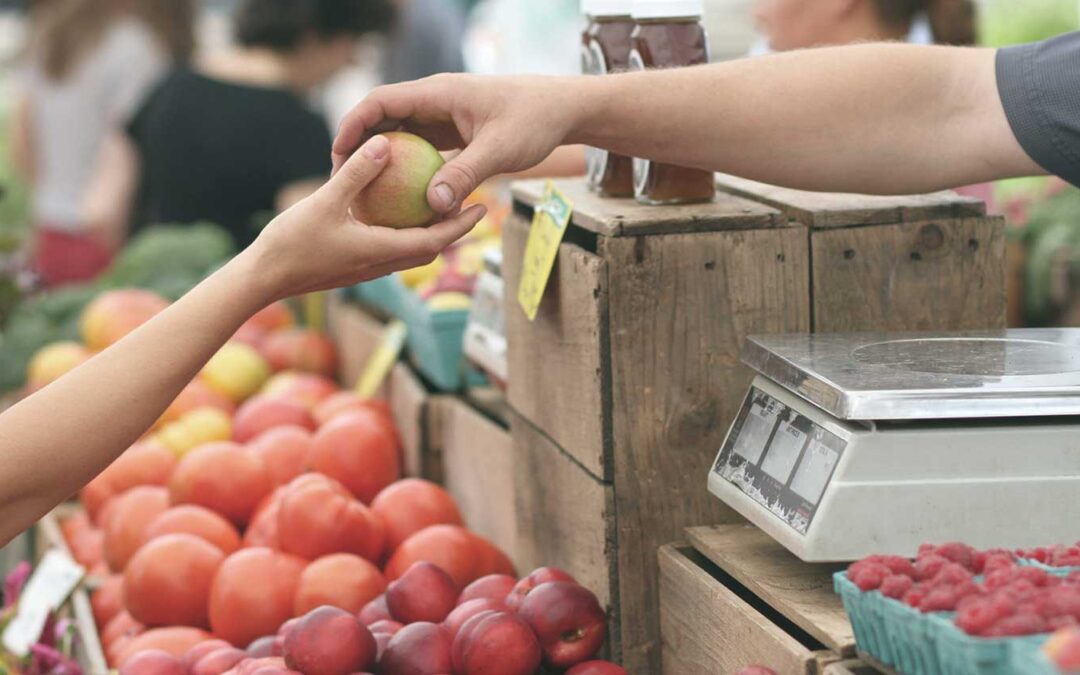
(869, 578)
(987, 561)
(951, 574)
(1017, 625)
(870, 562)
(899, 565)
(939, 599)
(1074, 577)
(1033, 574)
(928, 566)
(896, 586)
(1058, 622)
(978, 617)
(926, 549)
(914, 597)
(999, 578)
(1040, 554)
(961, 554)
(1021, 588)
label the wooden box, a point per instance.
(734, 598)
(478, 469)
(356, 334)
(630, 375)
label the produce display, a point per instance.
(263, 526)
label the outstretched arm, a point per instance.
(871, 118)
(59, 438)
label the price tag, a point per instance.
(52, 582)
(548, 227)
(315, 310)
(382, 359)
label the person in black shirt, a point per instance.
(230, 140)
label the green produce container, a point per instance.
(1030, 660)
(436, 343)
(384, 294)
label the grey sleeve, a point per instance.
(1040, 89)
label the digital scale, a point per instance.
(848, 445)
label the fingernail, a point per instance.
(376, 147)
(444, 197)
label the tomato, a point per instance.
(252, 594)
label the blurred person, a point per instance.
(89, 65)
(55, 440)
(231, 139)
(426, 40)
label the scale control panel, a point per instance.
(779, 458)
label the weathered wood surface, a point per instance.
(940, 275)
(707, 629)
(565, 516)
(681, 308)
(356, 334)
(802, 592)
(828, 209)
(478, 471)
(558, 364)
(625, 217)
(410, 406)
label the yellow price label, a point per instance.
(315, 310)
(382, 359)
(549, 223)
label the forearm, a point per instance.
(56, 440)
(870, 118)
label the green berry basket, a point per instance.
(1049, 569)
(963, 654)
(384, 294)
(1029, 659)
(436, 343)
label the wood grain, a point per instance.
(681, 308)
(356, 334)
(409, 403)
(625, 217)
(827, 209)
(558, 363)
(802, 592)
(939, 275)
(565, 517)
(709, 630)
(478, 471)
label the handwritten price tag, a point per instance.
(382, 359)
(548, 227)
(52, 582)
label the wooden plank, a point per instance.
(491, 402)
(681, 308)
(356, 335)
(558, 364)
(625, 217)
(709, 630)
(942, 275)
(851, 667)
(828, 209)
(802, 592)
(478, 471)
(409, 401)
(565, 517)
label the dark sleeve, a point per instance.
(1040, 89)
(305, 150)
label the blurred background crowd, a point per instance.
(120, 115)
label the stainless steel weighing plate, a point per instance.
(867, 376)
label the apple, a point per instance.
(568, 620)
(535, 578)
(397, 197)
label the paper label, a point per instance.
(52, 582)
(548, 227)
(382, 360)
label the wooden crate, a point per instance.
(631, 370)
(734, 597)
(417, 413)
(478, 470)
(356, 333)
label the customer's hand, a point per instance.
(502, 125)
(317, 244)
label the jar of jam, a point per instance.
(605, 48)
(669, 34)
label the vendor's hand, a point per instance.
(317, 244)
(502, 125)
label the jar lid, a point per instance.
(661, 9)
(607, 7)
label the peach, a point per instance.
(417, 648)
(388, 626)
(114, 314)
(356, 450)
(496, 642)
(463, 612)
(198, 521)
(317, 516)
(192, 397)
(198, 427)
(376, 610)
(132, 514)
(108, 600)
(424, 593)
(52, 361)
(262, 413)
(492, 587)
(218, 661)
(175, 640)
(261, 647)
(167, 581)
(284, 451)
(300, 349)
(340, 580)
(599, 668)
(153, 662)
(329, 641)
(1063, 649)
(567, 619)
(535, 578)
(223, 477)
(236, 371)
(308, 389)
(272, 317)
(411, 504)
(192, 656)
(397, 197)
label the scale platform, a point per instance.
(853, 444)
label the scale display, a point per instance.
(779, 458)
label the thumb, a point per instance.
(459, 177)
(359, 169)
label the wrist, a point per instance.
(590, 97)
(252, 279)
